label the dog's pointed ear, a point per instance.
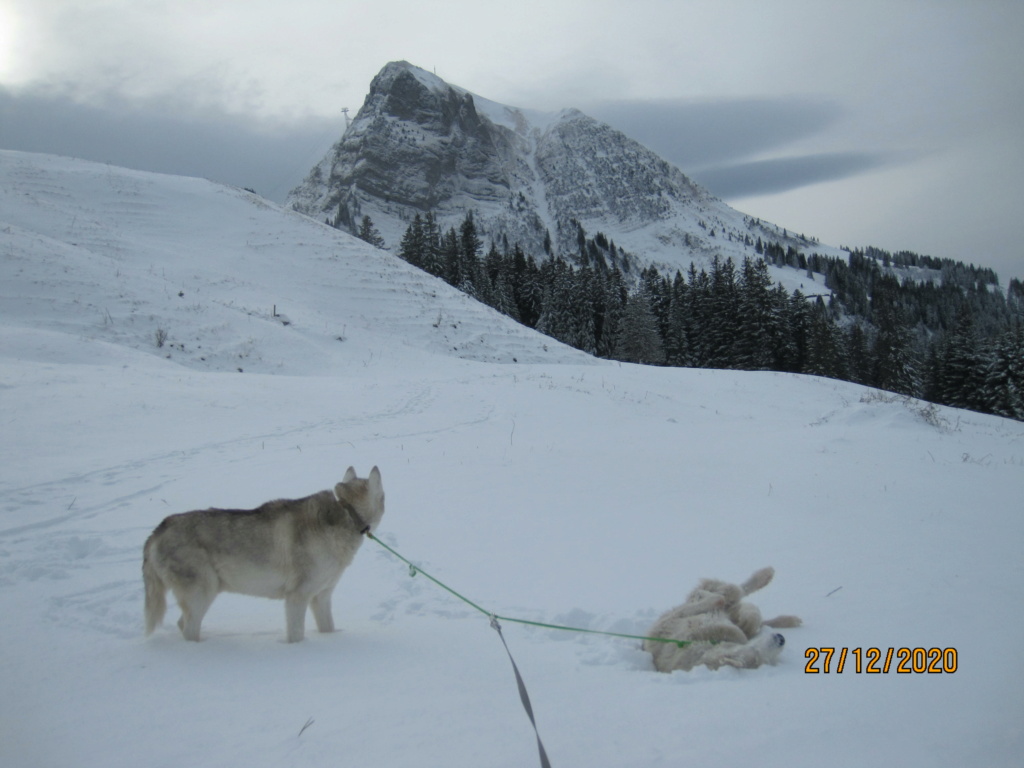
(375, 481)
(350, 475)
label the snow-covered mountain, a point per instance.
(541, 483)
(419, 144)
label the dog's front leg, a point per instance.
(295, 606)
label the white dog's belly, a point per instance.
(248, 579)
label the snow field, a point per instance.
(557, 489)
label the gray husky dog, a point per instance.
(291, 549)
(719, 627)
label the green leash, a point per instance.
(415, 569)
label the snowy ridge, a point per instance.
(590, 494)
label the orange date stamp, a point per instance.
(881, 661)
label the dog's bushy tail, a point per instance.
(156, 594)
(782, 622)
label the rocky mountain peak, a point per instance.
(410, 94)
(421, 145)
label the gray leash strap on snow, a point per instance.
(523, 695)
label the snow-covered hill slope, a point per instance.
(233, 281)
(590, 494)
(419, 144)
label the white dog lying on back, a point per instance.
(718, 628)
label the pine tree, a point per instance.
(931, 387)
(756, 328)
(639, 340)
(450, 256)
(582, 333)
(895, 367)
(824, 345)
(432, 261)
(503, 300)
(527, 287)
(557, 307)
(677, 349)
(860, 363)
(469, 240)
(368, 233)
(413, 245)
(469, 270)
(1003, 387)
(961, 366)
(699, 300)
(723, 317)
(495, 264)
(613, 301)
(797, 313)
(658, 291)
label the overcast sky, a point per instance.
(893, 123)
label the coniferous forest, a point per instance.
(915, 325)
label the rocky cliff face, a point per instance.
(419, 144)
(416, 145)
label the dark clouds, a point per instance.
(231, 149)
(711, 141)
(695, 134)
(714, 141)
(763, 177)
